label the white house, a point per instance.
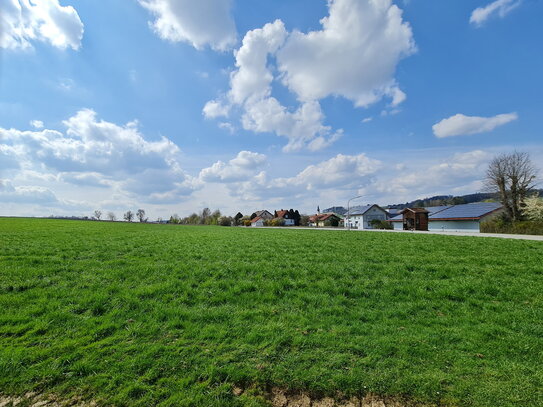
(257, 222)
(360, 217)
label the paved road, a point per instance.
(472, 234)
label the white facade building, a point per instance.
(360, 217)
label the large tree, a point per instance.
(128, 216)
(141, 215)
(512, 177)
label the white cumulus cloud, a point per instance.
(338, 173)
(200, 23)
(499, 7)
(24, 21)
(93, 152)
(460, 125)
(243, 166)
(354, 55)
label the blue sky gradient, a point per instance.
(124, 71)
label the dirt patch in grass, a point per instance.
(32, 399)
(281, 398)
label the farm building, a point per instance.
(455, 218)
(360, 217)
(414, 219)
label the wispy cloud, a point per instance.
(499, 7)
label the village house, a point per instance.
(287, 216)
(360, 217)
(264, 214)
(324, 220)
(257, 222)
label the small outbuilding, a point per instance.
(415, 219)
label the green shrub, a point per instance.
(277, 222)
(225, 221)
(500, 225)
(381, 224)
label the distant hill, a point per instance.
(436, 201)
(340, 210)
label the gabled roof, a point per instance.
(361, 210)
(415, 210)
(470, 211)
(282, 213)
(260, 213)
(256, 219)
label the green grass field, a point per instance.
(143, 315)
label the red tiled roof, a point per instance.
(281, 214)
(255, 219)
(321, 217)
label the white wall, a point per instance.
(454, 225)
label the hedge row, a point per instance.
(520, 227)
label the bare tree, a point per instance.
(97, 214)
(111, 216)
(128, 216)
(512, 177)
(141, 215)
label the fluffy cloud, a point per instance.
(338, 173)
(354, 56)
(200, 23)
(460, 125)
(243, 166)
(498, 7)
(23, 21)
(434, 176)
(97, 153)
(303, 128)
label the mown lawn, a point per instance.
(140, 314)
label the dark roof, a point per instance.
(415, 210)
(436, 209)
(466, 211)
(361, 210)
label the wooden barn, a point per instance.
(415, 219)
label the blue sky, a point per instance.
(174, 105)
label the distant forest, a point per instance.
(436, 201)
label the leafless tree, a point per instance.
(97, 214)
(111, 216)
(512, 177)
(141, 215)
(128, 216)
